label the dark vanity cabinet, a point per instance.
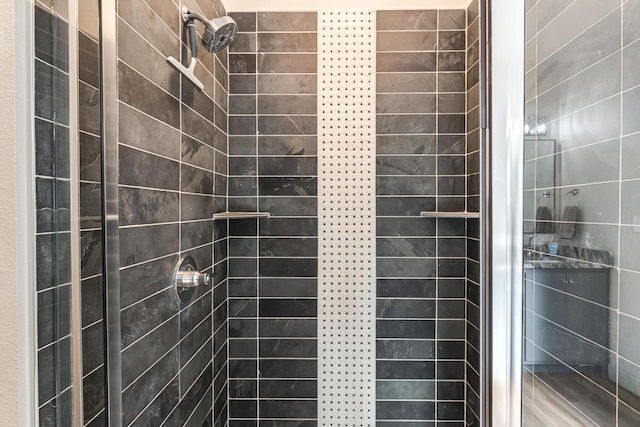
(567, 318)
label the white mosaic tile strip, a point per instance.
(346, 204)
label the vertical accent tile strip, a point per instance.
(346, 229)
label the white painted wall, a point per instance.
(9, 367)
(314, 5)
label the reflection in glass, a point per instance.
(581, 357)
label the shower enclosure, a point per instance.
(331, 177)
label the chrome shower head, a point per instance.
(219, 33)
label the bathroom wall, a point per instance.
(53, 235)
(582, 84)
(421, 261)
(473, 368)
(273, 262)
(172, 154)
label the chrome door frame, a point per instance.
(506, 211)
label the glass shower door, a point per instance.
(581, 322)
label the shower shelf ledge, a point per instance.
(241, 215)
(450, 214)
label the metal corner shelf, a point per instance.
(427, 214)
(241, 215)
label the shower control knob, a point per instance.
(191, 279)
(186, 277)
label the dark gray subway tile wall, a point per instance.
(273, 262)
(173, 167)
(473, 280)
(421, 263)
(53, 236)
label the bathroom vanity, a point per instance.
(566, 316)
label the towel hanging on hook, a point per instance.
(567, 228)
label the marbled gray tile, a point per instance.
(300, 63)
(242, 104)
(287, 104)
(288, 348)
(246, 21)
(287, 84)
(196, 207)
(242, 125)
(242, 63)
(597, 42)
(243, 186)
(142, 131)
(289, 408)
(140, 93)
(452, 82)
(287, 42)
(452, 40)
(282, 287)
(242, 84)
(141, 56)
(51, 87)
(451, 61)
(196, 153)
(405, 165)
(408, 185)
(290, 145)
(413, 370)
(401, 308)
(405, 82)
(407, 20)
(406, 124)
(288, 388)
(405, 103)
(287, 166)
(287, 125)
(406, 144)
(143, 243)
(288, 267)
(406, 206)
(195, 234)
(143, 206)
(570, 23)
(244, 43)
(289, 206)
(53, 255)
(287, 21)
(405, 349)
(406, 390)
(288, 186)
(280, 369)
(143, 169)
(452, 19)
(403, 62)
(405, 247)
(405, 267)
(288, 247)
(140, 356)
(160, 378)
(406, 41)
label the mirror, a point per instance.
(540, 181)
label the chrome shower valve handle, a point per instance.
(191, 279)
(186, 278)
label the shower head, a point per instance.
(219, 33)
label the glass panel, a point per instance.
(581, 358)
(53, 231)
